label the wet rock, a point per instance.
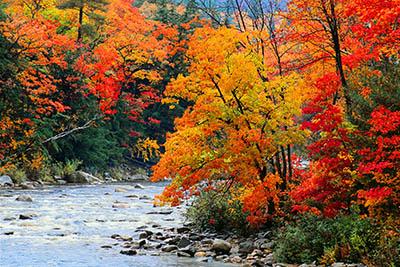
(235, 250)
(196, 237)
(144, 197)
(259, 242)
(121, 189)
(81, 177)
(173, 240)
(183, 242)
(8, 233)
(25, 217)
(246, 247)
(169, 248)
(106, 246)
(181, 230)
(269, 245)
(129, 252)
(149, 233)
(206, 241)
(132, 196)
(236, 260)
(121, 238)
(142, 243)
(168, 219)
(5, 180)
(26, 186)
(9, 219)
(142, 227)
(191, 250)
(155, 254)
(25, 198)
(202, 259)
(221, 246)
(143, 235)
(257, 253)
(220, 257)
(139, 186)
(200, 254)
(269, 259)
(121, 205)
(165, 212)
(183, 254)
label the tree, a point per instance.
(235, 127)
(94, 11)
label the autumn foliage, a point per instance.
(267, 89)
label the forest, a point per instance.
(267, 113)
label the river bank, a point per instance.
(111, 224)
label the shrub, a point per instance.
(216, 211)
(345, 238)
(65, 170)
(18, 175)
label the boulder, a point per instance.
(5, 180)
(221, 246)
(76, 177)
(25, 198)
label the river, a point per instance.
(68, 225)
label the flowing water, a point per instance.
(70, 224)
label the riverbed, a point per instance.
(72, 225)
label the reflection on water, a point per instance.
(69, 224)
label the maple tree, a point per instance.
(238, 120)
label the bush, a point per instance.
(345, 238)
(215, 211)
(18, 175)
(65, 170)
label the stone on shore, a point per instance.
(5, 180)
(221, 246)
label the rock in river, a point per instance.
(25, 198)
(129, 252)
(139, 186)
(121, 205)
